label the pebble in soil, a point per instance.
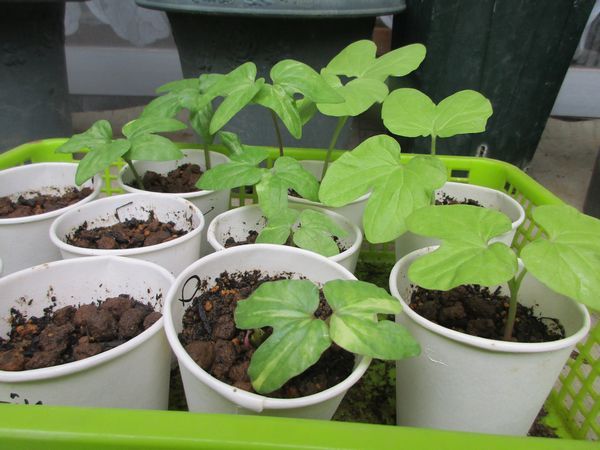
(31, 203)
(72, 333)
(180, 180)
(131, 233)
(211, 338)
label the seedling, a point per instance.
(140, 143)
(299, 338)
(565, 258)
(367, 75)
(314, 230)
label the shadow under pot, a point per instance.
(184, 174)
(469, 383)
(153, 227)
(38, 194)
(64, 349)
(203, 391)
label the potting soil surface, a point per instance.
(180, 180)
(34, 203)
(72, 333)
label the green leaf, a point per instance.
(359, 95)
(276, 99)
(298, 338)
(279, 227)
(306, 110)
(316, 233)
(153, 124)
(410, 113)
(397, 63)
(465, 255)
(297, 77)
(200, 119)
(397, 189)
(207, 80)
(296, 177)
(98, 135)
(568, 261)
(272, 194)
(354, 60)
(237, 98)
(251, 155)
(100, 158)
(230, 175)
(167, 105)
(463, 112)
(232, 142)
(174, 86)
(354, 326)
(150, 147)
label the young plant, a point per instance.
(311, 230)
(411, 113)
(140, 143)
(299, 338)
(366, 86)
(565, 258)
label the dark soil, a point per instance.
(253, 234)
(180, 180)
(132, 233)
(449, 200)
(72, 333)
(210, 337)
(477, 311)
(33, 203)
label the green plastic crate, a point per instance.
(573, 406)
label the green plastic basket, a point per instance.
(574, 409)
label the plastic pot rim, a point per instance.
(62, 245)
(92, 361)
(217, 245)
(475, 341)
(252, 401)
(96, 184)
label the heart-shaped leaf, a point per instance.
(463, 112)
(408, 112)
(277, 100)
(167, 105)
(568, 260)
(241, 170)
(145, 125)
(100, 158)
(354, 325)
(296, 177)
(151, 147)
(278, 227)
(354, 60)
(397, 63)
(272, 194)
(359, 95)
(298, 338)
(237, 98)
(465, 255)
(98, 135)
(398, 189)
(297, 77)
(316, 232)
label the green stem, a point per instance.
(279, 140)
(137, 177)
(336, 134)
(207, 162)
(433, 138)
(513, 286)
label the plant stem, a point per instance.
(513, 286)
(279, 140)
(137, 177)
(336, 134)
(207, 162)
(433, 137)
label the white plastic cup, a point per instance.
(353, 211)
(467, 383)
(211, 203)
(203, 392)
(488, 198)
(133, 375)
(173, 255)
(24, 240)
(238, 222)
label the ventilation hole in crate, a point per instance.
(459, 174)
(591, 434)
(576, 384)
(507, 186)
(579, 418)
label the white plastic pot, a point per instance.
(205, 393)
(238, 222)
(352, 211)
(24, 240)
(211, 203)
(173, 255)
(133, 375)
(488, 198)
(467, 383)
